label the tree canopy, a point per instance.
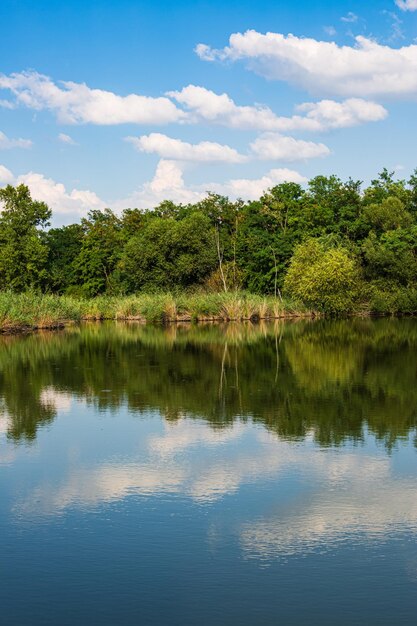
(327, 236)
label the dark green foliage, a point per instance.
(23, 254)
(167, 253)
(100, 251)
(217, 244)
(64, 245)
(393, 255)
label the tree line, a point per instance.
(330, 245)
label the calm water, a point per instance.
(213, 475)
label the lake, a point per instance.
(217, 474)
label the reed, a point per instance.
(27, 311)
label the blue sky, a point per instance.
(125, 103)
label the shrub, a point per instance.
(324, 278)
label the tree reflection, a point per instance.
(328, 379)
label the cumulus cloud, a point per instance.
(252, 188)
(168, 184)
(5, 175)
(63, 138)
(76, 202)
(204, 105)
(269, 146)
(329, 115)
(6, 143)
(76, 103)
(365, 69)
(175, 149)
(65, 204)
(406, 5)
(273, 146)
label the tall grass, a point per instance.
(20, 312)
(28, 310)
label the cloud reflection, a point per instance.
(347, 493)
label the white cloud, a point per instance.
(5, 175)
(76, 103)
(350, 18)
(365, 69)
(273, 146)
(76, 202)
(67, 205)
(168, 184)
(329, 115)
(270, 146)
(206, 106)
(406, 5)
(253, 188)
(63, 138)
(169, 148)
(6, 143)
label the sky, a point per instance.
(127, 103)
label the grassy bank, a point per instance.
(21, 312)
(30, 311)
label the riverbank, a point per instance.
(29, 311)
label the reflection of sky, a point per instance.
(55, 399)
(309, 497)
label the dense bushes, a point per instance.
(166, 254)
(324, 278)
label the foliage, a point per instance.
(323, 278)
(219, 245)
(64, 245)
(167, 253)
(100, 251)
(23, 254)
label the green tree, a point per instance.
(64, 245)
(323, 277)
(167, 253)
(386, 215)
(101, 248)
(392, 256)
(23, 254)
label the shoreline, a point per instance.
(16, 329)
(28, 312)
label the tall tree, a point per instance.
(23, 254)
(101, 248)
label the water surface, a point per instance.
(237, 474)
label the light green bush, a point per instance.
(324, 278)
